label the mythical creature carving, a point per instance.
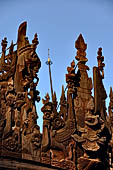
(92, 137)
(59, 126)
(31, 135)
(57, 132)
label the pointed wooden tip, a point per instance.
(80, 43)
(47, 96)
(23, 24)
(21, 34)
(54, 95)
(22, 28)
(62, 93)
(62, 87)
(35, 40)
(73, 64)
(81, 36)
(99, 51)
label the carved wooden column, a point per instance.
(47, 110)
(99, 90)
(71, 92)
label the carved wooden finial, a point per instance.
(46, 100)
(35, 40)
(100, 60)
(4, 44)
(81, 48)
(47, 97)
(73, 64)
(62, 95)
(55, 99)
(80, 44)
(71, 70)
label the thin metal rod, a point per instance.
(49, 62)
(51, 82)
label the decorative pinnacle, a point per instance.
(100, 60)
(80, 44)
(71, 70)
(63, 94)
(35, 40)
(81, 48)
(46, 100)
(4, 44)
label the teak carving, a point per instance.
(79, 135)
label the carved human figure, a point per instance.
(31, 140)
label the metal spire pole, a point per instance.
(49, 62)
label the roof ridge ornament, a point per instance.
(100, 60)
(81, 47)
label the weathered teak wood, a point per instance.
(78, 136)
